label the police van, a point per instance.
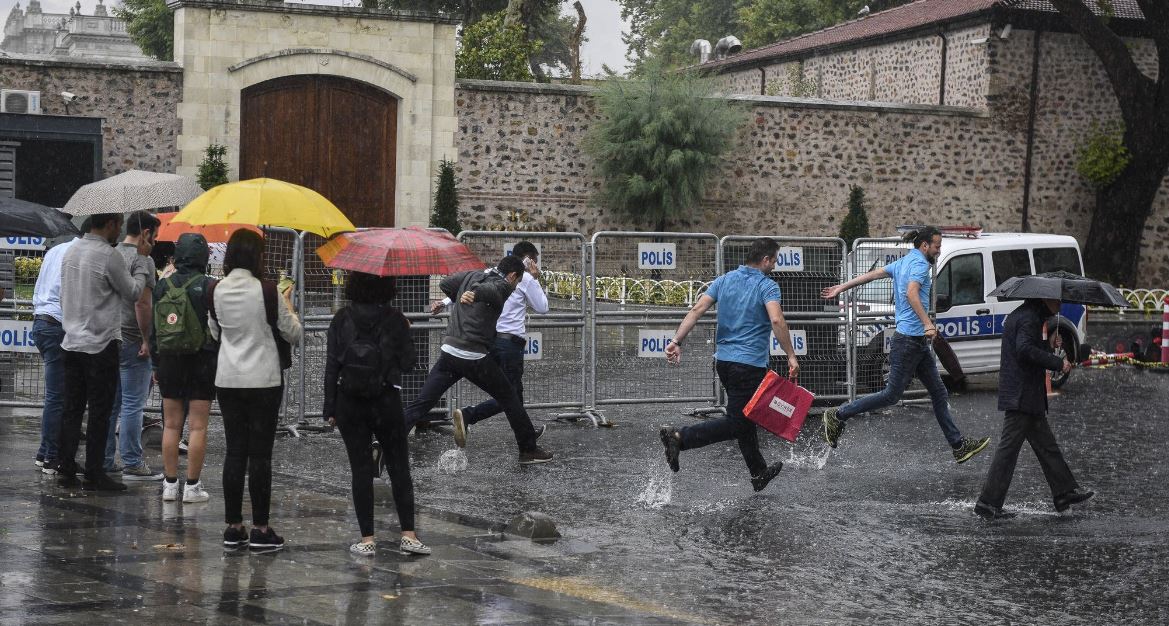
(970, 267)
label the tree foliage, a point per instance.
(659, 140)
(445, 213)
(213, 168)
(492, 51)
(151, 26)
(856, 224)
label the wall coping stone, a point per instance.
(769, 101)
(265, 6)
(329, 51)
(165, 67)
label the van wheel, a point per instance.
(1059, 379)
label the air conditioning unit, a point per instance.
(20, 101)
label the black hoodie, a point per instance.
(396, 344)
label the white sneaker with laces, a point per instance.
(195, 493)
(170, 491)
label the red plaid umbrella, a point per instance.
(411, 251)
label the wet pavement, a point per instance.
(879, 530)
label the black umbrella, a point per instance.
(19, 218)
(1063, 286)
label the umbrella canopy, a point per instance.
(1062, 286)
(266, 202)
(214, 233)
(20, 218)
(409, 251)
(131, 191)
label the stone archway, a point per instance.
(329, 133)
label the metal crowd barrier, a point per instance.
(629, 275)
(819, 328)
(21, 369)
(556, 355)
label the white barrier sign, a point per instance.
(657, 256)
(534, 351)
(16, 336)
(799, 343)
(510, 246)
(886, 256)
(789, 260)
(651, 343)
(22, 243)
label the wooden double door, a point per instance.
(334, 135)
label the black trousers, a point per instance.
(249, 427)
(90, 379)
(485, 374)
(1034, 429)
(740, 381)
(360, 420)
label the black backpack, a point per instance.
(363, 368)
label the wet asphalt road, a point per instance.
(881, 529)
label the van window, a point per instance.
(1009, 263)
(1057, 259)
(960, 282)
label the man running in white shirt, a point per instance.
(510, 341)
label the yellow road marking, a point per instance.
(585, 590)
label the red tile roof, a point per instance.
(898, 19)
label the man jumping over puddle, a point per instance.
(910, 355)
(749, 308)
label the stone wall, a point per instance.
(906, 71)
(138, 103)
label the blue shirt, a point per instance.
(913, 267)
(46, 296)
(744, 327)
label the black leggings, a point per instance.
(249, 426)
(358, 421)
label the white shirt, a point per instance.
(247, 351)
(94, 283)
(46, 296)
(527, 293)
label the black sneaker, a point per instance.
(1062, 502)
(235, 538)
(535, 455)
(101, 482)
(969, 447)
(760, 482)
(673, 444)
(68, 480)
(540, 430)
(988, 513)
(833, 427)
(267, 540)
(459, 427)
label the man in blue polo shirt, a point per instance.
(748, 309)
(910, 354)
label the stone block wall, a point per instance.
(138, 103)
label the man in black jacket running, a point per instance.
(476, 300)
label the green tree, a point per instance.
(492, 51)
(856, 224)
(663, 30)
(213, 169)
(445, 213)
(659, 140)
(151, 26)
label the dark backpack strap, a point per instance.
(210, 297)
(283, 348)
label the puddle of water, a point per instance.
(658, 492)
(452, 461)
(808, 454)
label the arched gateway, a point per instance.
(355, 103)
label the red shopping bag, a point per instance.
(780, 406)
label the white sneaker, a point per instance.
(170, 491)
(195, 493)
(363, 549)
(413, 546)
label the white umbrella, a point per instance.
(134, 190)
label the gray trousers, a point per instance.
(1034, 429)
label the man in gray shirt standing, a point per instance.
(95, 283)
(134, 354)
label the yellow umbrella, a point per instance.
(266, 202)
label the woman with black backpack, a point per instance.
(369, 347)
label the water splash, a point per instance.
(452, 461)
(805, 454)
(658, 492)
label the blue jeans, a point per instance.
(908, 357)
(47, 337)
(510, 357)
(133, 391)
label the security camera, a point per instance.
(69, 97)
